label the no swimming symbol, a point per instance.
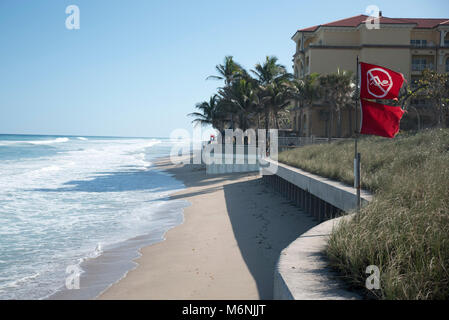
(379, 82)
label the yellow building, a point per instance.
(402, 44)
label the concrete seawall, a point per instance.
(302, 271)
(223, 163)
(315, 189)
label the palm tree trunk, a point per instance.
(257, 130)
(331, 125)
(418, 117)
(222, 132)
(350, 121)
(267, 118)
(276, 122)
(441, 123)
(339, 122)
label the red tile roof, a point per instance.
(426, 23)
(348, 22)
(357, 20)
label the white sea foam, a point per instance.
(50, 168)
(34, 142)
(153, 143)
(59, 210)
(82, 138)
(57, 140)
(91, 255)
(16, 283)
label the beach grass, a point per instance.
(404, 231)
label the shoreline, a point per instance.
(99, 273)
(227, 246)
(114, 263)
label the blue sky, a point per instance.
(136, 68)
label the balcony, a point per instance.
(422, 67)
(422, 44)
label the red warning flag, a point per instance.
(379, 119)
(378, 82)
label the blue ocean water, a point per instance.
(65, 200)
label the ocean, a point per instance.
(84, 203)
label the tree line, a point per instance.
(262, 97)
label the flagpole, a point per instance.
(356, 153)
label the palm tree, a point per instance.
(351, 106)
(270, 70)
(277, 96)
(436, 89)
(241, 99)
(228, 71)
(307, 91)
(327, 83)
(337, 91)
(272, 79)
(210, 113)
(406, 94)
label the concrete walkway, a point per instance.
(302, 272)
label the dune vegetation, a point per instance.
(404, 231)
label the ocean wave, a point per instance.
(152, 143)
(82, 138)
(64, 204)
(50, 168)
(141, 158)
(36, 142)
(16, 283)
(98, 251)
(57, 140)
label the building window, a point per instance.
(447, 65)
(418, 43)
(421, 64)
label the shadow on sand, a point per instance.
(264, 223)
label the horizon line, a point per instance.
(77, 135)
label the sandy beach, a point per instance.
(227, 247)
